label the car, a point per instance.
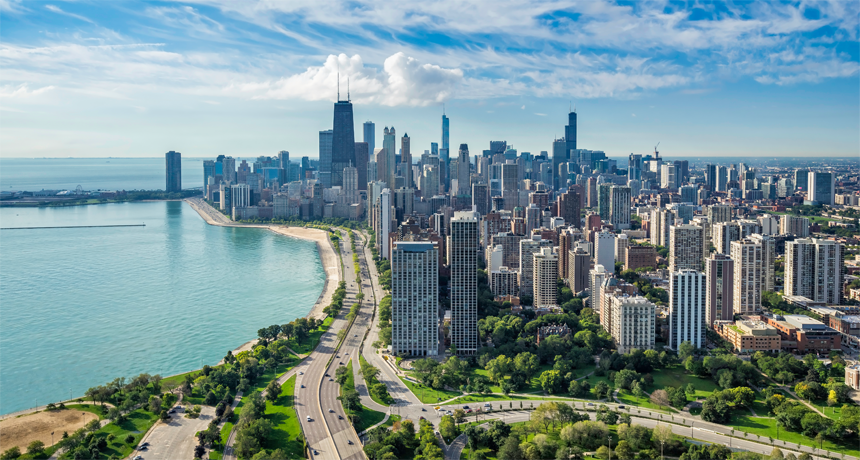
(436, 433)
(421, 418)
(468, 411)
(301, 373)
(309, 417)
(337, 356)
(346, 353)
(331, 411)
(465, 407)
(621, 407)
(171, 411)
(146, 444)
(326, 375)
(316, 453)
(355, 335)
(341, 363)
(339, 417)
(590, 404)
(138, 458)
(142, 447)
(303, 385)
(331, 380)
(423, 410)
(349, 441)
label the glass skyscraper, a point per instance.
(343, 142)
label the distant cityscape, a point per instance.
(714, 238)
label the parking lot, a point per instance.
(176, 439)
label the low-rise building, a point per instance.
(852, 376)
(750, 336)
(553, 329)
(640, 257)
(803, 334)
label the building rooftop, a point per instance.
(804, 322)
(414, 246)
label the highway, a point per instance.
(329, 433)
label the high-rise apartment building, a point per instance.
(604, 250)
(579, 264)
(686, 243)
(768, 260)
(173, 169)
(719, 213)
(619, 207)
(633, 323)
(723, 234)
(463, 293)
(719, 274)
(604, 201)
(747, 282)
(527, 250)
(362, 158)
(793, 225)
(481, 198)
(544, 278)
(813, 269)
(596, 277)
(370, 135)
(668, 177)
(406, 160)
(687, 308)
(464, 188)
(568, 204)
(415, 298)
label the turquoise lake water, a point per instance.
(79, 307)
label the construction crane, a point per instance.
(656, 153)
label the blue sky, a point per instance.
(209, 77)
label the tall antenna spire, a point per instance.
(443, 108)
(338, 85)
(347, 88)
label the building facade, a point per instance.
(687, 308)
(545, 278)
(173, 167)
(415, 299)
(633, 323)
(463, 264)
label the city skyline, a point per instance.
(209, 78)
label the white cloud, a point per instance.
(56, 9)
(403, 81)
(23, 91)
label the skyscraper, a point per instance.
(343, 141)
(362, 157)
(370, 135)
(444, 154)
(173, 171)
(719, 273)
(463, 263)
(570, 132)
(579, 262)
(569, 208)
(463, 171)
(527, 250)
(768, 260)
(686, 245)
(821, 187)
(687, 308)
(389, 146)
(415, 298)
(813, 269)
(604, 250)
(559, 156)
(406, 160)
(326, 139)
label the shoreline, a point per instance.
(328, 258)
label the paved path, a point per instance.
(793, 394)
(176, 439)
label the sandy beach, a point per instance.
(328, 258)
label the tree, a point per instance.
(601, 390)
(776, 454)
(273, 391)
(623, 451)
(164, 416)
(510, 450)
(660, 398)
(602, 453)
(527, 364)
(11, 454)
(36, 448)
(459, 416)
(662, 434)
(447, 427)
(199, 451)
(154, 404)
(551, 381)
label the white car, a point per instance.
(309, 418)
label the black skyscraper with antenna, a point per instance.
(343, 142)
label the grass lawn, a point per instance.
(488, 454)
(271, 374)
(92, 408)
(391, 420)
(138, 423)
(313, 338)
(285, 422)
(675, 377)
(366, 417)
(429, 395)
(766, 428)
(832, 412)
(629, 398)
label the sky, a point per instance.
(248, 78)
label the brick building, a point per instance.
(803, 334)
